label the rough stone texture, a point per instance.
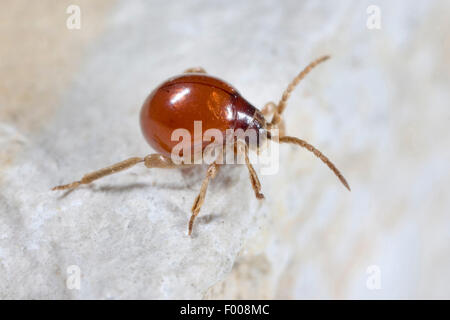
(378, 108)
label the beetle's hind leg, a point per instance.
(195, 70)
(150, 161)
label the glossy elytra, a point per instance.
(196, 96)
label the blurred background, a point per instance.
(74, 76)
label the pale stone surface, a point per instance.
(378, 109)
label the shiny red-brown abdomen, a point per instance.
(181, 100)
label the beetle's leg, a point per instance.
(286, 94)
(157, 160)
(195, 70)
(269, 110)
(318, 154)
(150, 161)
(256, 185)
(210, 174)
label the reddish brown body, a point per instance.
(181, 100)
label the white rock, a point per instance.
(378, 109)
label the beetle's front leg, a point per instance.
(270, 110)
(210, 174)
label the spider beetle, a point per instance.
(194, 95)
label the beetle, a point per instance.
(195, 95)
